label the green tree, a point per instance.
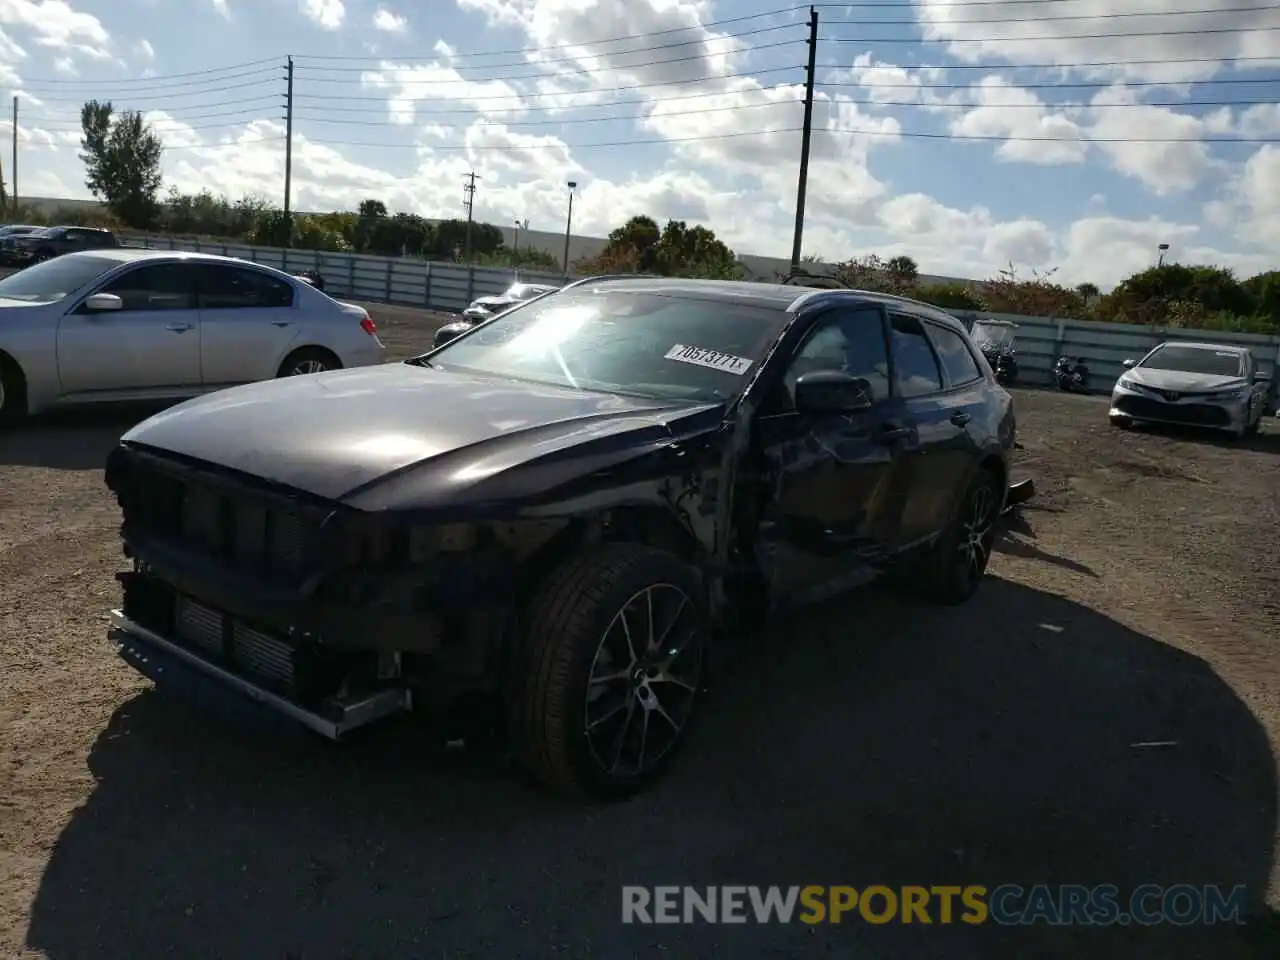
(903, 272)
(122, 162)
(677, 250)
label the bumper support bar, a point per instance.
(147, 652)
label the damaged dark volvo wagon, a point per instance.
(551, 516)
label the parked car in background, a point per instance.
(9, 235)
(485, 308)
(545, 519)
(1197, 384)
(50, 242)
(124, 324)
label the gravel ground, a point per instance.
(871, 742)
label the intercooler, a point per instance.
(250, 651)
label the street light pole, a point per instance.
(568, 226)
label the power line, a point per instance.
(160, 77)
(158, 96)
(96, 86)
(569, 146)
(1040, 19)
(531, 76)
(582, 44)
(630, 87)
(1075, 65)
(1056, 85)
(1045, 39)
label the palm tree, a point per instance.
(1087, 291)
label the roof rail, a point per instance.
(802, 278)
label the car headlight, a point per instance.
(1124, 383)
(1228, 396)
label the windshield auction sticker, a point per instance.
(712, 359)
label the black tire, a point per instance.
(307, 360)
(950, 573)
(13, 393)
(579, 627)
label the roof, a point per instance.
(130, 254)
(775, 295)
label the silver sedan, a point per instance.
(152, 325)
(1198, 384)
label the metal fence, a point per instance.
(450, 287)
(432, 285)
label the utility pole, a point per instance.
(568, 227)
(288, 147)
(14, 165)
(469, 194)
(803, 185)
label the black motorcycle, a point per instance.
(995, 338)
(1071, 374)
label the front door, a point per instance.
(829, 494)
(247, 321)
(152, 343)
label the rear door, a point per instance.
(153, 343)
(829, 484)
(935, 464)
(247, 322)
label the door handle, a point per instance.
(891, 432)
(960, 419)
(281, 323)
(179, 327)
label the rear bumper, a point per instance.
(166, 662)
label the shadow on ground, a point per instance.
(881, 744)
(72, 439)
(1267, 440)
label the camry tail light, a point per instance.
(368, 326)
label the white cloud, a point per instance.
(1066, 36)
(1121, 124)
(222, 8)
(326, 14)
(66, 66)
(56, 24)
(443, 50)
(388, 22)
(1037, 133)
(443, 86)
(888, 84)
(144, 50)
(1260, 121)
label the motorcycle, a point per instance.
(995, 338)
(1071, 374)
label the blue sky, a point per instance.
(965, 133)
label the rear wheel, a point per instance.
(952, 570)
(309, 360)
(604, 684)
(13, 392)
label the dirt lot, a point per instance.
(872, 742)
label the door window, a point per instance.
(915, 364)
(159, 286)
(240, 288)
(846, 339)
(957, 359)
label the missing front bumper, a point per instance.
(160, 659)
(1020, 491)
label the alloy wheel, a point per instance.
(643, 682)
(977, 532)
(303, 367)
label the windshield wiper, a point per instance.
(420, 362)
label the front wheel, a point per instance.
(604, 684)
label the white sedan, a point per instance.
(127, 324)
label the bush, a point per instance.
(949, 296)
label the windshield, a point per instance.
(54, 279)
(992, 335)
(650, 345)
(1221, 363)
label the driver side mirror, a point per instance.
(98, 302)
(825, 392)
(1129, 363)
